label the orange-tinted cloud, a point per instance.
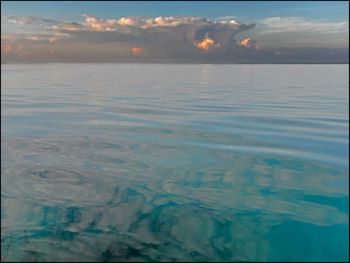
(136, 51)
(206, 43)
(7, 48)
(247, 43)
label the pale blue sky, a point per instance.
(245, 11)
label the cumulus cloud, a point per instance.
(140, 22)
(99, 24)
(248, 43)
(162, 39)
(207, 43)
(164, 36)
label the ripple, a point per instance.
(46, 147)
(195, 163)
(54, 185)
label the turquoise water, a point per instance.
(112, 162)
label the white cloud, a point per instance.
(25, 20)
(98, 24)
(169, 38)
(300, 25)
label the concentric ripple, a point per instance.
(116, 162)
(53, 185)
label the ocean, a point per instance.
(171, 162)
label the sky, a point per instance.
(204, 32)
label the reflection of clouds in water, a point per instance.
(165, 232)
(119, 200)
(185, 163)
(205, 71)
(245, 182)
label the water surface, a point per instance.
(113, 162)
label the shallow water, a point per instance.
(174, 162)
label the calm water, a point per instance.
(174, 162)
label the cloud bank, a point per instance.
(162, 39)
(298, 24)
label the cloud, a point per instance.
(25, 24)
(137, 51)
(69, 26)
(7, 48)
(298, 32)
(207, 43)
(99, 24)
(162, 39)
(164, 36)
(13, 49)
(299, 24)
(34, 38)
(25, 20)
(248, 43)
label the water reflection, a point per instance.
(93, 204)
(169, 175)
